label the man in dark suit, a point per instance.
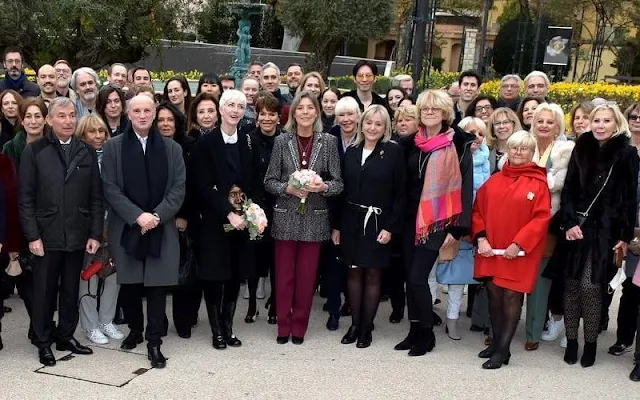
(144, 186)
(13, 62)
(61, 211)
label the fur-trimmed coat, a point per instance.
(557, 166)
(613, 215)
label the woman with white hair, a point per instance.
(552, 152)
(334, 278)
(510, 218)
(599, 205)
(225, 169)
(371, 212)
(456, 282)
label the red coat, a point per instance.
(513, 206)
(15, 240)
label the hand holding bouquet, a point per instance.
(302, 180)
(256, 220)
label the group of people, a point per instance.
(493, 196)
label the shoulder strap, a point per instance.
(586, 213)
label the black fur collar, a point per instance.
(593, 158)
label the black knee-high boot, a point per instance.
(228, 312)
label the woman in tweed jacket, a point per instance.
(299, 236)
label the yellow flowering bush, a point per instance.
(568, 94)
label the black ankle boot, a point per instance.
(351, 336)
(496, 361)
(425, 342)
(408, 341)
(365, 339)
(635, 373)
(571, 353)
(589, 354)
(487, 353)
(156, 357)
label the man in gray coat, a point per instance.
(144, 185)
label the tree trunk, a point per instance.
(322, 56)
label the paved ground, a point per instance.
(321, 368)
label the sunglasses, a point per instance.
(634, 117)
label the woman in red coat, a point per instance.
(510, 220)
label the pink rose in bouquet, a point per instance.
(301, 179)
(256, 220)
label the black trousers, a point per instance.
(394, 278)
(334, 277)
(186, 305)
(156, 303)
(56, 276)
(420, 261)
(628, 312)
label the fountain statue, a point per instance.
(244, 9)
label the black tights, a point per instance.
(504, 307)
(364, 295)
(583, 299)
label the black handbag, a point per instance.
(582, 216)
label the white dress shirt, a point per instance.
(67, 142)
(143, 142)
(230, 139)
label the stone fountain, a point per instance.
(244, 9)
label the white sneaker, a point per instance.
(563, 342)
(554, 330)
(260, 292)
(111, 331)
(95, 336)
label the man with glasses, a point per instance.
(510, 92)
(63, 73)
(364, 75)
(14, 76)
(469, 83)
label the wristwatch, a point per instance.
(157, 216)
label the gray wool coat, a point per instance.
(161, 271)
(287, 223)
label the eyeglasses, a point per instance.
(503, 123)
(363, 76)
(520, 149)
(13, 62)
(430, 110)
(484, 108)
(510, 86)
(634, 117)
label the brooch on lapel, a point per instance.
(381, 153)
(530, 196)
